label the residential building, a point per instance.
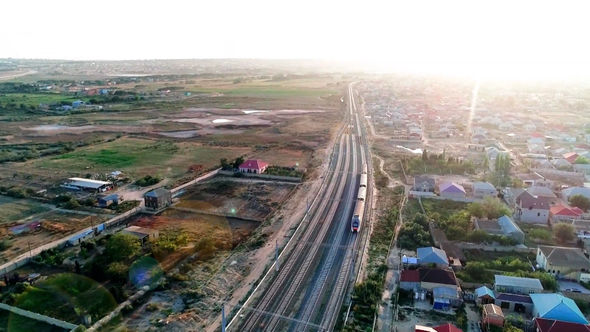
(552, 325)
(564, 263)
(568, 192)
(501, 226)
(564, 213)
(435, 277)
(557, 307)
(158, 199)
(451, 190)
(515, 302)
(491, 314)
(443, 298)
(484, 295)
(253, 166)
(516, 285)
(432, 255)
(143, 234)
(107, 200)
(409, 280)
(423, 183)
(441, 328)
(532, 209)
(570, 157)
(484, 189)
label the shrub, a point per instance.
(147, 181)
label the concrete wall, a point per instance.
(533, 216)
(264, 176)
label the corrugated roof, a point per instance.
(410, 276)
(502, 280)
(492, 309)
(438, 276)
(508, 226)
(559, 307)
(253, 164)
(483, 186)
(87, 183)
(432, 255)
(483, 291)
(514, 298)
(452, 187)
(445, 292)
(551, 325)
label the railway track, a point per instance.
(306, 293)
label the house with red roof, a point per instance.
(253, 166)
(562, 212)
(448, 327)
(551, 325)
(571, 157)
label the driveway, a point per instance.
(572, 286)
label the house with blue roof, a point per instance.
(557, 307)
(432, 255)
(484, 295)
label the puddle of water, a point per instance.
(179, 134)
(414, 151)
(253, 111)
(221, 121)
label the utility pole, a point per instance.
(223, 317)
(277, 255)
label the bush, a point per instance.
(121, 246)
(147, 181)
(564, 232)
(490, 208)
(580, 201)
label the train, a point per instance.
(359, 208)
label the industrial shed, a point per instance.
(82, 184)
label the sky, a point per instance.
(520, 38)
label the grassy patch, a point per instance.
(67, 296)
(15, 209)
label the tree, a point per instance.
(238, 162)
(491, 208)
(564, 232)
(121, 246)
(224, 164)
(580, 201)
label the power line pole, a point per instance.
(223, 323)
(277, 255)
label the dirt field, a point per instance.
(247, 200)
(42, 228)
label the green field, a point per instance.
(139, 157)
(34, 99)
(15, 209)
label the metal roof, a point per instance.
(157, 192)
(87, 183)
(483, 291)
(508, 226)
(559, 307)
(564, 256)
(432, 255)
(532, 283)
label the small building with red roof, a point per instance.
(253, 166)
(571, 157)
(410, 279)
(448, 327)
(561, 212)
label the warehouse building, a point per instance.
(81, 184)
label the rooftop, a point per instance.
(551, 325)
(87, 183)
(502, 280)
(514, 298)
(158, 192)
(483, 291)
(559, 307)
(565, 256)
(492, 309)
(438, 276)
(432, 255)
(253, 164)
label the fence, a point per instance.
(39, 317)
(264, 176)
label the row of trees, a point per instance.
(228, 166)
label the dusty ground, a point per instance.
(230, 277)
(52, 225)
(248, 200)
